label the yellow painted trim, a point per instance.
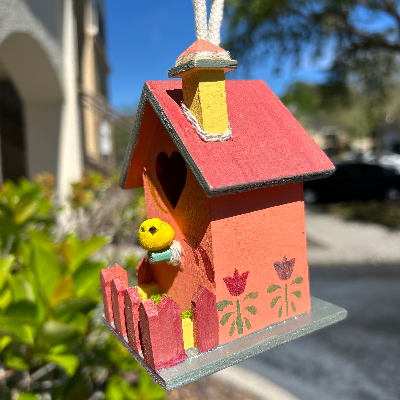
(187, 327)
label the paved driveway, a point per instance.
(357, 359)
(339, 242)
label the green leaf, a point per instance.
(6, 264)
(148, 390)
(28, 396)
(221, 305)
(280, 312)
(252, 310)
(87, 280)
(225, 318)
(64, 290)
(79, 321)
(14, 362)
(251, 295)
(4, 341)
(272, 288)
(23, 332)
(293, 307)
(56, 332)
(33, 292)
(118, 389)
(247, 323)
(114, 390)
(21, 289)
(25, 209)
(59, 349)
(232, 330)
(297, 281)
(69, 362)
(297, 293)
(5, 298)
(46, 267)
(274, 301)
(23, 310)
(82, 305)
(77, 252)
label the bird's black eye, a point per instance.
(143, 229)
(152, 230)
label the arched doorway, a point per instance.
(31, 103)
(13, 147)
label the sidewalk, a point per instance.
(257, 385)
(333, 241)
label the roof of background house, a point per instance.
(268, 146)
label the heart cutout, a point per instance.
(171, 173)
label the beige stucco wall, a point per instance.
(38, 53)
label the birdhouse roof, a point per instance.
(268, 146)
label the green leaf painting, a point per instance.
(232, 330)
(280, 311)
(251, 310)
(221, 305)
(274, 301)
(251, 295)
(272, 288)
(297, 293)
(285, 298)
(225, 318)
(297, 281)
(238, 324)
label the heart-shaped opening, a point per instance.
(171, 173)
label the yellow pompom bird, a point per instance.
(155, 234)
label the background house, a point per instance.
(54, 114)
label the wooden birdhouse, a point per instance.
(222, 163)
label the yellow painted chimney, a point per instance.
(202, 68)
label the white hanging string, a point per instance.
(206, 136)
(215, 22)
(200, 19)
(212, 32)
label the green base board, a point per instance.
(197, 366)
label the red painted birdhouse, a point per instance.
(222, 162)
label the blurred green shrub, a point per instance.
(88, 189)
(52, 342)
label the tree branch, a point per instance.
(368, 39)
(391, 9)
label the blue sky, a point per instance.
(146, 37)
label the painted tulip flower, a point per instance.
(284, 269)
(237, 283)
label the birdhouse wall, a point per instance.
(164, 185)
(260, 234)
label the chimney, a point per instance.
(202, 68)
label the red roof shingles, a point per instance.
(268, 145)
